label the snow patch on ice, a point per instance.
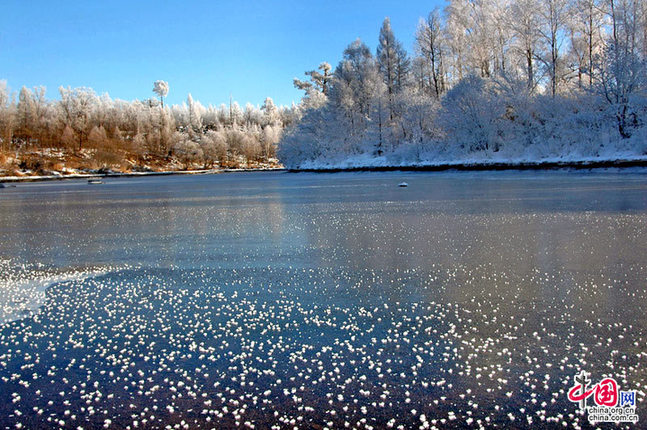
(23, 287)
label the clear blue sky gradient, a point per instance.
(211, 49)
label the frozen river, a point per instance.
(321, 300)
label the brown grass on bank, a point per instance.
(107, 157)
(107, 160)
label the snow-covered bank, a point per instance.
(384, 164)
(119, 174)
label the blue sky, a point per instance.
(251, 49)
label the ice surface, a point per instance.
(316, 300)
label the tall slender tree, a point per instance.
(429, 44)
(524, 22)
(552, 28)
(393, 64)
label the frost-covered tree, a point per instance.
(471, 38)
(355, 80)
(319, 80)
(419, 119)
(585, 26)
(430, 46)
(470, 114)
(379, 131)
(316, 89)
(187, 150)
(6, 117)
(623, 76)
(393, 64)
(194, 114)
(161, 88)
(235, 114)
(269, 138)
(524, 21)
(26, 114)
(553, 19)
(270, 112)
(76, 107)
(214, 147)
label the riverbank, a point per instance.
(56, 164)
(482, 165)
(478, 165)
(11, 179)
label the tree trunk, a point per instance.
(531, 77)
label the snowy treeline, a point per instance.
(504, 80)
(117, 132)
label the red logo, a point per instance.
(605, 392)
